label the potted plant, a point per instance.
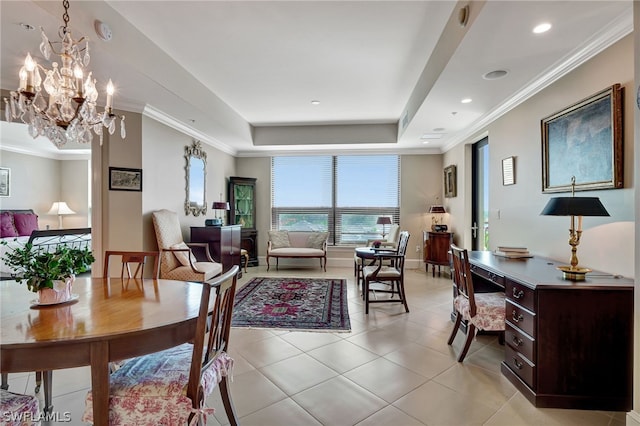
(50, 274)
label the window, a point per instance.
(344, 195)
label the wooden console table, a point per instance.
(568, 344)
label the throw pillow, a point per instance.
(317, 239)
(279, 239)
(183, 256)
(6, 226)
(25, 223)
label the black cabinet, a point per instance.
(224, 243)
(242, 211)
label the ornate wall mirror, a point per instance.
(196, 177)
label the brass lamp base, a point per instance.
(574, 274)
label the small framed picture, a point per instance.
(123, 179)
(509, 171)
(5, 182)
(450, 184)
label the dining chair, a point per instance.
(383, 278)
(18, 409)
(135, 258)
(482, 311)
(390, 242)
(171, 386)
(177, 261)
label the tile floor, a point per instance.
(393, 368)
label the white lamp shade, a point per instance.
(60, 208)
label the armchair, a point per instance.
(177, 261)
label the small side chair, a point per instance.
(132, 258)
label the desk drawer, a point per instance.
(520, 294)
(520, 365)
(521, 318)
(493, 277)
(519, 341)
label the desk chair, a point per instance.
(150, 389)
(482, 311)
(391, 276)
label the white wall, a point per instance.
(164, 177)
(606, 243)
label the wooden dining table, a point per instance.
(110, 319)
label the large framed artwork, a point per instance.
(584, 140)
(124, 179)
(5, 182)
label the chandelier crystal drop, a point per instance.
(62, 107)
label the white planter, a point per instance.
(60, 293)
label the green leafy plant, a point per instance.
(39, 269)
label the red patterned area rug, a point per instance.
(312, 304)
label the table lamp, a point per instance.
(384, 221)
(217, 206)
(574, 207)
(60, 208)
(437, 211)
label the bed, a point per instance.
(19, 227)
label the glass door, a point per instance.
(480, 195)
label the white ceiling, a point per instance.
(237, 72)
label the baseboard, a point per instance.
(333, 262)
(633, 418)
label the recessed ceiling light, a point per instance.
(466, 101)
(542, 28)
(425, 142)
(26, 27)
(494, 75)
(314, 102)
(431, 136)
(439, 129)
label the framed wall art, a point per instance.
(450, 184)
(5, 182)
(509, 171)
(123, 179)
(584, 140)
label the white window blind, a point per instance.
(344, 195)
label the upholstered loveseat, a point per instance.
(297, 244)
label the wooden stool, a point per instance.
(244, 254)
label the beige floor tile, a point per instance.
(518, 411)
(285, 412)
(379, 341)
(342, 356)
(424, 361)
(489, 388)
(67, 408)
(435, 404)
(250, 392)
(306, 341)
(297, 373)
(385, 379)
(488, 357)
(339, 402)
(267, 351)
(389, 415)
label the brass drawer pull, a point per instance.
(517, 294)
(517, 363)
(517, 341)
(516, 317)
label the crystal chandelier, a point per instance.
(69, 114)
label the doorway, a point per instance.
(480, 195)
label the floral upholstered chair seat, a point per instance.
(151, 390)
(490, 313)
(19, 410)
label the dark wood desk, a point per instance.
(111, 320)
(568, 344)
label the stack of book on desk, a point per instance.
(512, 252)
